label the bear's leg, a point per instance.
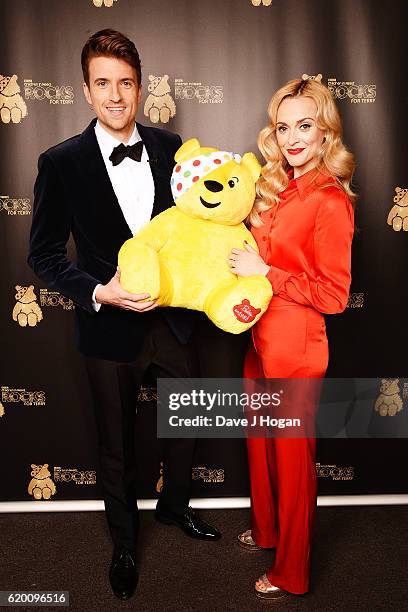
(154, 114)
(32, 319)
(37, 493)
(256, 2)
(22, 319)
(5, 115)
(405, 224)
(97, 3)
(237, 305)
(397, 223)
(164, 114)
(16, 115)
(46, 493)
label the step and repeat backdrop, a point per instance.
(209, 70)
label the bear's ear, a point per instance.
(45, 465)
(151, 77)
(18, 287)
(187, 150)
(250, 161)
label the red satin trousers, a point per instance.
(290, 342)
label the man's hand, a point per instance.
(113, 294)
(247, 262)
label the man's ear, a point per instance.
(87, 93)
(139, 95)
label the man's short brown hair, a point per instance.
(110, 43)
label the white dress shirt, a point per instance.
(132, 183)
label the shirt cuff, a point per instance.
(277, 278)
(95, 304)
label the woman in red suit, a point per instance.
(302, 222)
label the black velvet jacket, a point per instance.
(73, 194)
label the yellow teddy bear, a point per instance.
(180, 257)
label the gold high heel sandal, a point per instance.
(247, 543)
(270, 591)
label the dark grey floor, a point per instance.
(359, 564)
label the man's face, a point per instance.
(114, 94)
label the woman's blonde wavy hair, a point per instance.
(334, 158)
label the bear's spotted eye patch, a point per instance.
(233, 181)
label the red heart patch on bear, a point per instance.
(244, 312)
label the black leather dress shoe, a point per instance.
(123, 575)
(189, 522)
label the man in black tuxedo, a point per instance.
(102, 186)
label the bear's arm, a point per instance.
(16, 310)
(156, 233)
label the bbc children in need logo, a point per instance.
(13, 107)
(160, 106)
(48, 92)
(15, 206)
(23, 396)
(357, 93)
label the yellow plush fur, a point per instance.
(180, 257)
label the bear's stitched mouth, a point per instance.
(208, 204)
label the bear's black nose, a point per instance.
(213, 186)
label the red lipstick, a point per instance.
(294, 151)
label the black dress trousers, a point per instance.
(115, 387)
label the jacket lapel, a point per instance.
(95, 176)
(161, 166)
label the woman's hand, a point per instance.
(247, 262)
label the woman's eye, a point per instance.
(305, 126)
(281, 129)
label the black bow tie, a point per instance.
(121, 151)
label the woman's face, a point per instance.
(297, 134)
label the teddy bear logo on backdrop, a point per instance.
(41, 486)
(312, 77)
(389, 401)
(159, 105)
(159, 484)
(26, 311)
(12, 106)
(398, 215)
(100, 3)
